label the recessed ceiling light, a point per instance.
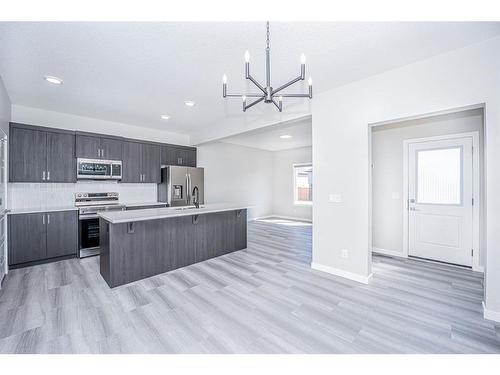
(189, 103)
(54, 80)
(164, 117)
(285, 136)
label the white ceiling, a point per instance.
(133, 72)
(268, 138)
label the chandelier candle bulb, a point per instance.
(302, 66)
(310, 81)
(247, 56)
(244, 100)
(224, 86)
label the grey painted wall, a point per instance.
(387, 154)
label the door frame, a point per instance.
(475, 191)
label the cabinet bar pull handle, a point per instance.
(48, 218)
(43, 175)
(43, 219)
(48, 175)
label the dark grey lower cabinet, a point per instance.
(62, 233)
(43, 236)
(27, 238)
(133, 251)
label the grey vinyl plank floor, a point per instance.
(264, 299)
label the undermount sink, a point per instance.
(188, 208)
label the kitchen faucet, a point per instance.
(196, 197)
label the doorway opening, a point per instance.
(427, 188)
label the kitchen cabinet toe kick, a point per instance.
(133, 251)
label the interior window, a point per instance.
(303, 183)
(439, 176)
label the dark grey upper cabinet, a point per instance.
(27, 155)
(171, 155)
(62, 233)
(132, 162)
(41, 156)
(111, 149)
(95, 147)
(61, 165)
(191, 158)
(27, 238)
(141, 162)
(88, 146)
(151, 163)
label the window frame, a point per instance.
(296, 202)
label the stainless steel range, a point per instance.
(89, 205)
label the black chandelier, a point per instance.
(268, 94)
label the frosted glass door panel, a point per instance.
(439, 176)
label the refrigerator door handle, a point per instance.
(189, 189)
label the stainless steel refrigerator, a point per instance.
(177, 187)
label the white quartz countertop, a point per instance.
(139, 204)
(33, 210)
(117, 217)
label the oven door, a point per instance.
(93, 169)
(89, 235)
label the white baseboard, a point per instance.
(282, 217)
(392, 253)
(478, 268)
(490, 314)
(342, 273)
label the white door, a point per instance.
(440, 200)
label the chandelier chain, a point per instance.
(267, 34)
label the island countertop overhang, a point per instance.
(118, 217)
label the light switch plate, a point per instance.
(335, 198)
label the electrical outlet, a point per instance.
(345, 253)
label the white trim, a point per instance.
(429, 115)
(490, 314)
(294, 218)
(475, 190)
(345, 274)
(392, 253)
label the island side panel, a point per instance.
(148, 248)
(104, 250)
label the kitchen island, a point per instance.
(143, 243)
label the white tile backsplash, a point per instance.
(27, 195)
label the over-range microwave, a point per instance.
(96, 169)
